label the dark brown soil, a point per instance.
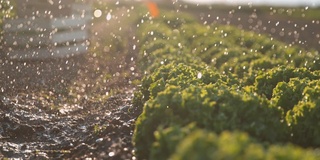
(77, 107)
(100, 129)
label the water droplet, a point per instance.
(109, 16)
(97, 13)
(100, 140)
(108, 113)
(199, 76)
(111, 154)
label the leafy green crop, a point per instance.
(287, 94)
(193, 143)
(200, 144)
(304, 118)
(217, 92)
(266, 82)
(216, 107)
(6, 9)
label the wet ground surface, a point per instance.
(73, 108)
(67, 108)
(92, 129)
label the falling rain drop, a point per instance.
(97, 13)
(108, 17)
(199, 76)
(100, 140)
(111, 154)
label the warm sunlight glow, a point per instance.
(260, 2)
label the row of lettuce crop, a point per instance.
(217, 92)
(6, 10)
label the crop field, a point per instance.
(187, 84)
(218, 92)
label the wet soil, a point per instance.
(67, 108)
(100, 130)
(72, 108)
